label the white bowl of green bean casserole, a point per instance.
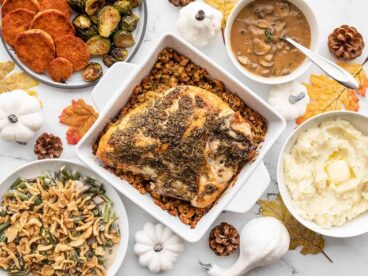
(58, 218)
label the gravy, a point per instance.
(256, 33)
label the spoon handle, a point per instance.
(330, 68)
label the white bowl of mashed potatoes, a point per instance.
(323, 174)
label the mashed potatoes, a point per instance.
(327, 173)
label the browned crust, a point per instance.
(10, 5)
(35, 48)
(170, 70)
(16, 22)
(53, 22)
(74, 49)
(60, 5)
(60, 69)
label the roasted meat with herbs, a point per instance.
(189, 143)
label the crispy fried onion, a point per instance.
(55, 229)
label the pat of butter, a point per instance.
(338, 171)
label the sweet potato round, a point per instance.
(74, 49)
(16, 22)
(53, 22)
(10, 5)
(35, 48)
(60, 69)
(60, 5)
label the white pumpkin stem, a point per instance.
(12, 118)
(200, 15)
(294, 99)
(158, 247)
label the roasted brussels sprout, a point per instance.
(108, 20)
(129, 22)
(77, 5)
(93, 6)
(135, 3)
(86, 34)
(108, 60)
(123, 6)
(98, 46)
(82, 22)
(94, 18)
(123, 39)
(92, 72)
(119, 54)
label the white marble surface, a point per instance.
(349, 255)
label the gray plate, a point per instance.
(76, 81)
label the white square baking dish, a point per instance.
(112, 93)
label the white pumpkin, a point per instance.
(20, 116)
(289, 99)
(157, 247)
(199, 23)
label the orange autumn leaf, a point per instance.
(328, 95)
(80, 117)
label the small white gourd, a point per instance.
(290, 99)
(262, 241)
(20, 116)
(199, 23)
(157, 247)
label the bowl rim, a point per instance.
(116, 261)
(284, 191)
(307, 10)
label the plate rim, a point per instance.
(10, 51)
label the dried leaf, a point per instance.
(5, 68)
(311, 242)
(224, 6)
(17, 80)
(80, 117)
(328, 95)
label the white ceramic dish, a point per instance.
(309, 14)
(117, 86)
(36, 168)
(76, 80)
(354, 227)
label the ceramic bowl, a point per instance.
(36, 168)
(312, 20)
(354, 227)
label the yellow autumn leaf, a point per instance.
(311, 242)
(17, 80)
(5, 68)
(328, 95)
(224, 6)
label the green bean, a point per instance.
(17, 182)
(101, 260)
(75, 175)
(18, 274)
(78, 219)
(4, 226)
(109, 243)
(14, 193)
(37, 201)
(105, 197)
(2, 213)
(106, 213)
(3, 239)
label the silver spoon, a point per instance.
(334, 71)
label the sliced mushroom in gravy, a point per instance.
(256, 33)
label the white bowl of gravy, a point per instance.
(252, 37)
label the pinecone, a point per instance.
(224, 239)
(346, 42)
(180, 3)
(48, 146)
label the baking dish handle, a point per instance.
(110, 83)
(244, 200)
